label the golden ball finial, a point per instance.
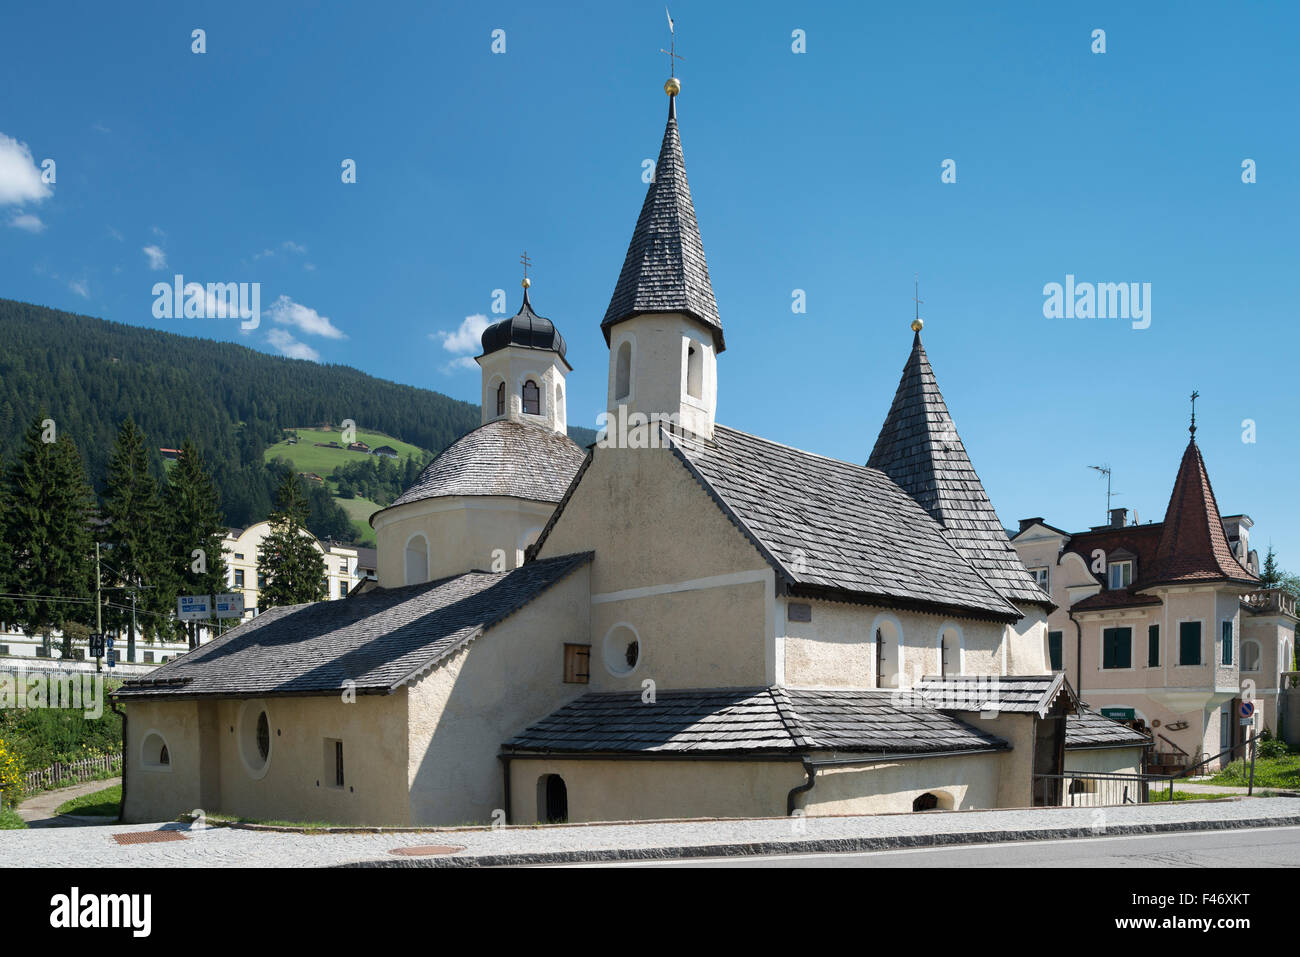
(917, 324)
(527, 282)
(672, 86)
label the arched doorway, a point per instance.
(925, 802)
(552, 799)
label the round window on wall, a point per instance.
(254, 739)
(622, 650)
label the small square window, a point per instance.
(239, 578)
(798, 611)
(239, 556)
(1121, 574)
(1043, 577)
(1117, 648)
(577, 664)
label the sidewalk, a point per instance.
(38, 810)
(227, 846)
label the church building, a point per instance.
(684, 620)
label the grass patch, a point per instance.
(10, 821)
(359, 511)
(307, 457)
(266, 822)
(1162, 796)
(103, 803)
(1278, 772)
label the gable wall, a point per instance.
(672, 566)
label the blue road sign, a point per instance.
(1247, 709)
(112, 659)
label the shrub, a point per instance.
(11, 776)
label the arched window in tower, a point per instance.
(532, 398)
(417, 560)
(623, 371)
(501, 398)
(694, 370)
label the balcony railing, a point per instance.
(1272, 600)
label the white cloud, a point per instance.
(115, 234)
(310, 267)
(289, 313)
(157, 231)
(79, 287)
(28, 222)
(20, 178)
(263, 254)
(157, 258)
(467, 338)
(289, 346)
(293, 247)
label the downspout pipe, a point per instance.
(1078, 656)
(811, 770)
(121, 808)
(505, 767)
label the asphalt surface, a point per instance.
(1248, 848)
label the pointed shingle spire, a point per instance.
(665, 269)
(1193, 547)
(919, 448)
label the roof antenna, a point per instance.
(1105, 470)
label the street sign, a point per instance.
(112, 659)
(1247, 709)
(228, 606)
(97, 645)
(194, 607)
(111, 641)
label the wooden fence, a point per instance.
(75, 771)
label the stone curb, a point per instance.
(828, 846)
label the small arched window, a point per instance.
(888, 643)
(417, 560)
(1250, 656)
(623, 371)
(532, 398)
(694, 370)
(501, 398)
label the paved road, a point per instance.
(1256, 847)
(38, 810)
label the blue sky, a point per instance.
(817, 171)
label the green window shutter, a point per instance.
(1189, 643)
(1117, 648)
(1227, 642)
(1054, 650)
(1153, 646)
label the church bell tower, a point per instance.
(662, 324)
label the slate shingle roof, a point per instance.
(1193, 547)
(738, 720)
(665, 269)
(919, 448)
(1092, 729)
(379, 639)
(1023, 694)
(833, 528)
(503, 457)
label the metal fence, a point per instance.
(1103, 789)
(75, 771)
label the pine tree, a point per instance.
(46, 524)
(1270, 576)
(137, 542)
(289, 558)
(194, 520)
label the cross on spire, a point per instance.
(1195, 395)
(526, 263)
(672, 53)
(917, 323)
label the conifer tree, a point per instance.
(136, 538)
(288, 558)
(46, 525)
(195, 523)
